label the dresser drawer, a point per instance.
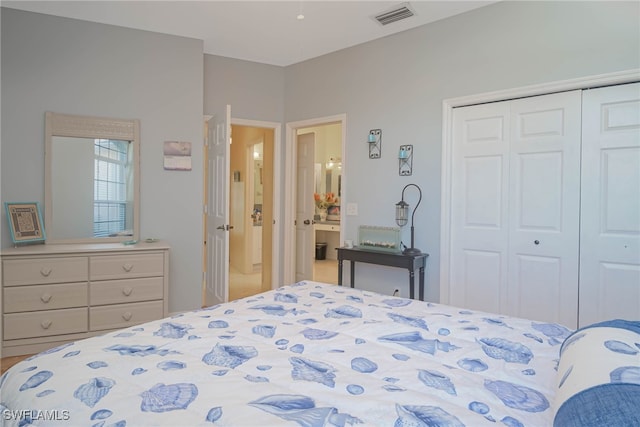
(124, 315)
(108, 267)
(126, 290)
(45, 297)
(36, 271)
(45, 323)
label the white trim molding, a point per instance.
(449, 104)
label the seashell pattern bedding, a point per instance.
(308, 354)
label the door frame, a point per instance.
(449, 104)
(290, 182)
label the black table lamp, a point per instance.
(402, 217)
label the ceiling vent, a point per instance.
(399, 13)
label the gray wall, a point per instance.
(398, 84)
(255, 91)
(75, 67)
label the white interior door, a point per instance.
(544, 208)
(515, 207)
(610, 227)
(217, 289)
(305, 242)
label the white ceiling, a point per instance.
(262, 31)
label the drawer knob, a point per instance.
(127, 316)
(45, 271)
(45, 324)
(45, 298)
(127, 291)
(127, 267)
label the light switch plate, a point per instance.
(352, 209)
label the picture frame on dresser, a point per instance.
(25, 222)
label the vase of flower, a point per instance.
(323, 201)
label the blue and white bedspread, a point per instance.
(309, 354)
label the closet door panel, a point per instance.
(539, 191)
(610, 207)
(479, 231)
(482, 275)
(544, 203)
(619, 295)
(538, 276)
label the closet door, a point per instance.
(515, 201)
(479, 227)
(610, 227)
(544, 203)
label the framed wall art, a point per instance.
(25, 222)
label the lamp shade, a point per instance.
(402, 213)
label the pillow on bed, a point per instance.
(599, 376)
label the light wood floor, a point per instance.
(8, 362)
(240, 286)
(244, 285)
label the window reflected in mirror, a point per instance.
(112, 195)
(92, 186)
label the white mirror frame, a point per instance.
(97, 128)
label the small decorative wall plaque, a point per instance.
(177, 156)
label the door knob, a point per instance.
(307, 222)
(537, 242)
(220, 227)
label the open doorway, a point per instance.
(251, 210)
(248, 137)
(319, 161)
(296, 248)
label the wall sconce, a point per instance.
(405, 158)
(402, 218)
(375, 143)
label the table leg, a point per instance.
(412, 282)
(339, 272)
(421, 283)
(353, 273)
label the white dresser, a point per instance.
(52, 294)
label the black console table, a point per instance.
(410, 262)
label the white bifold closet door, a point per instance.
(610, 214)
(515, 207)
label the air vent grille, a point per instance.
(398, 14)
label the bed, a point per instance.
(309, 354)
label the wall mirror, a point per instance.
(92, 179)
